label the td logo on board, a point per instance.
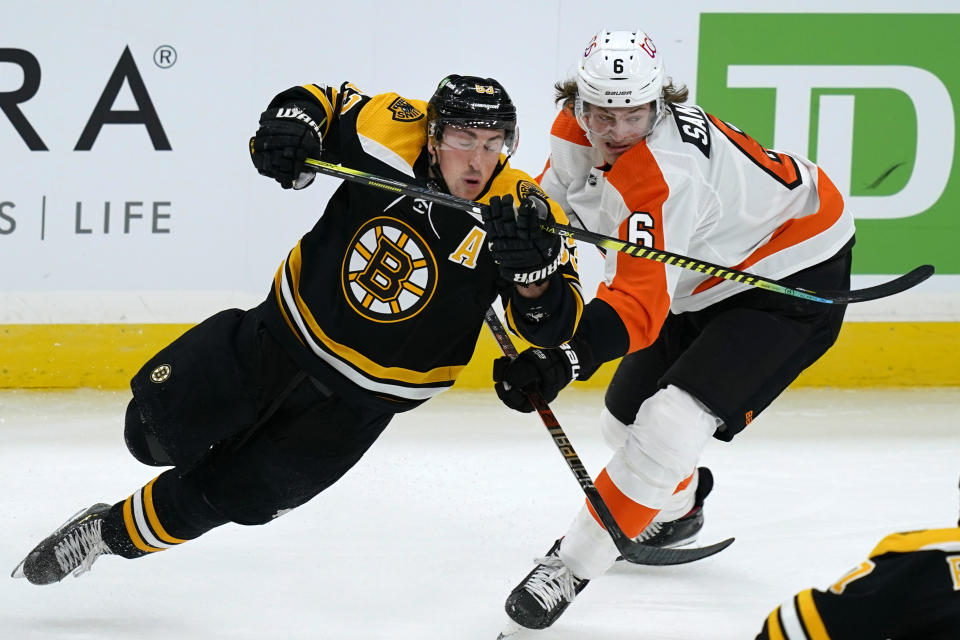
(872, 98)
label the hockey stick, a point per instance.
(631, 550)
(897, 285)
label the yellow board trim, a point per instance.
(882, 354)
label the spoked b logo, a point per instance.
(389, 273)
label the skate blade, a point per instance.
(18, 570)
(510, 630)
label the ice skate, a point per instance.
(683, 530)
(544, 594)
(72, 548)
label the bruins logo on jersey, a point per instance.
(404, 111)
(526, 188)
(389, 273)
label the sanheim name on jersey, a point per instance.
(692, 124)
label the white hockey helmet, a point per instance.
(620, 69)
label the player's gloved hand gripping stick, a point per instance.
(902, 283)
(631, 550)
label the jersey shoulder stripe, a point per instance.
(637, 179)
(391, 122)
(565, 127)
(947, 540)
(795, 230)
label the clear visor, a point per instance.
(470, 135)
(617, 124)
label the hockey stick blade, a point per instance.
(882, 290)
(639, 553)
(631, 550)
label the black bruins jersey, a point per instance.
(908, 589)
(384, 298)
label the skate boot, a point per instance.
(545, 593)
(71, 548)
(684, 529)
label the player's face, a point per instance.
(614, 130)
(468, 157)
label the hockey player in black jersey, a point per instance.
(908, 588)
(374, 311)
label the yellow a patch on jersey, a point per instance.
(466, 254)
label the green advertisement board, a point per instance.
(871, 98)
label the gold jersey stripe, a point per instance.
(943, 539)
(352, 356)
(283, 312)
(131, 527)
(158, 529)
(811, 617)
(774, 630)
(376, 122)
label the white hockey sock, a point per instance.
(680, 503)
(587, 549)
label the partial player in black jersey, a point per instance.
(374, 311)
(908, 588)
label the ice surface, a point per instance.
(428, 534)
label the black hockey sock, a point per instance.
(166, 512)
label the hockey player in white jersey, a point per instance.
(703, 356)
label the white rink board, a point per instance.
(195, 221)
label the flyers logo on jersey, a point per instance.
(389, 273)
(404, 111)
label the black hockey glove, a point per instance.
(543, 371)
(524, 252)
(287, 136)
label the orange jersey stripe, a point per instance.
(565, 127)
(794, 231)
(638, 291)
(546, 166)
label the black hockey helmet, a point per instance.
(471, 101)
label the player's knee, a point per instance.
(672, 430)
(248, 506)
(614, 431)
(142, 444)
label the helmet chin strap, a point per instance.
(436, 176)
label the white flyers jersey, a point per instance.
(699, 187)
